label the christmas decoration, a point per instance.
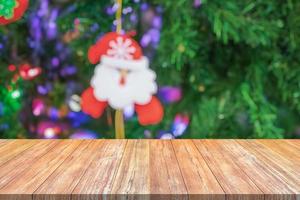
(74, 103)
(123, 78)
(28, 72)
(12, 10)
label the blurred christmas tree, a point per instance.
(226, 69)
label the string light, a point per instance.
(49, 133)
(12, 68)
(16, 94)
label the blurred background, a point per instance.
(226, 69)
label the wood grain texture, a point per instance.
(166, 181)
(132, 180)
(16, 166)
(232, 179)
(282, 149)
(98, 179)
(260, 173)
(295, 143)
(3, 142)
(200, 181)
(282, 166)
(13, 148)
(149, 169)
(26, 183)
(61, 183)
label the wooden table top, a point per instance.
(150, 169)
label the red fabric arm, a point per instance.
(90, 105)
(151, 113)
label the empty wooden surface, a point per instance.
(150, 169)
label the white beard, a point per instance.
(138, 88)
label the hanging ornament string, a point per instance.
(119, 16)
(119, 119)
(119, 125)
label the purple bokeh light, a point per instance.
(197, 3)
(146, 40)
(157, 22)
(144, 6)
(68, 70)
(55, 62)
(42, 89)
(170, 94)
(84, 134)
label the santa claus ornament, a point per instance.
(122, 78)
(12, 10)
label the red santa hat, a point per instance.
(118, 50)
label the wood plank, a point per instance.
(16, 166)
(198, 178)
(34, 175)
(294, 142)
(132, 180)
(98, 179)
(285, 169)
(166, 181)
(274, 154)
(149, 169)
(283, 149)
(3, 142)
(61, 183)
(13, 148)
(261, 174)
(235, 183)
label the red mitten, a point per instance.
(91, 105)
(151, 113)
(17, 13)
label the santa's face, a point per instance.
(122, 87)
